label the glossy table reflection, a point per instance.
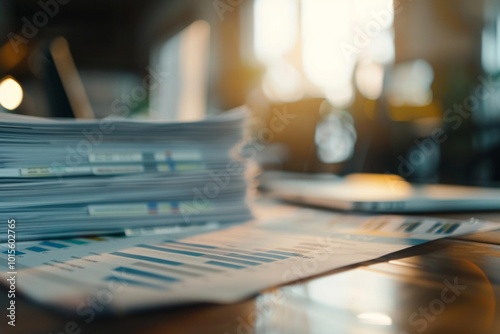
(447, 286)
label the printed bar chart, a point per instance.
(222, 266)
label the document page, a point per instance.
(222, 266)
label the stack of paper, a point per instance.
(61, 178)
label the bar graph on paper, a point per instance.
(221, 266)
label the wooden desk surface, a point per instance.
(446, 286)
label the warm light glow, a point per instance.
(194, 47)
(325, 26)
(340, 96)
(183, 64)
(382, 50)
(283, 83)
(375, 318)
(369, 80)
(275, 24)
(334, 36)
(379, 11)
(11, 93)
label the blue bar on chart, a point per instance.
(169, 270)
(53, 244)
(133, 282)
(230, 253)
(409, 227)
(224, 251)
(226, 259)
(37, 249)
(213, 251)
(434, 228)
(223, 264)
(249, 257)
(272, 256)
(284, 253)
(151, 259)
(170, 250)
(76, 242)
(147, 258)
(146, 274)
(448, 228)
(198, 254)
(191, 244)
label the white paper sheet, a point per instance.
(124, 274)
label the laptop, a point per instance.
(382, 193)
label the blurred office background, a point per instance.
(379, 86)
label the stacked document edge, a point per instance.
(61, 178)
